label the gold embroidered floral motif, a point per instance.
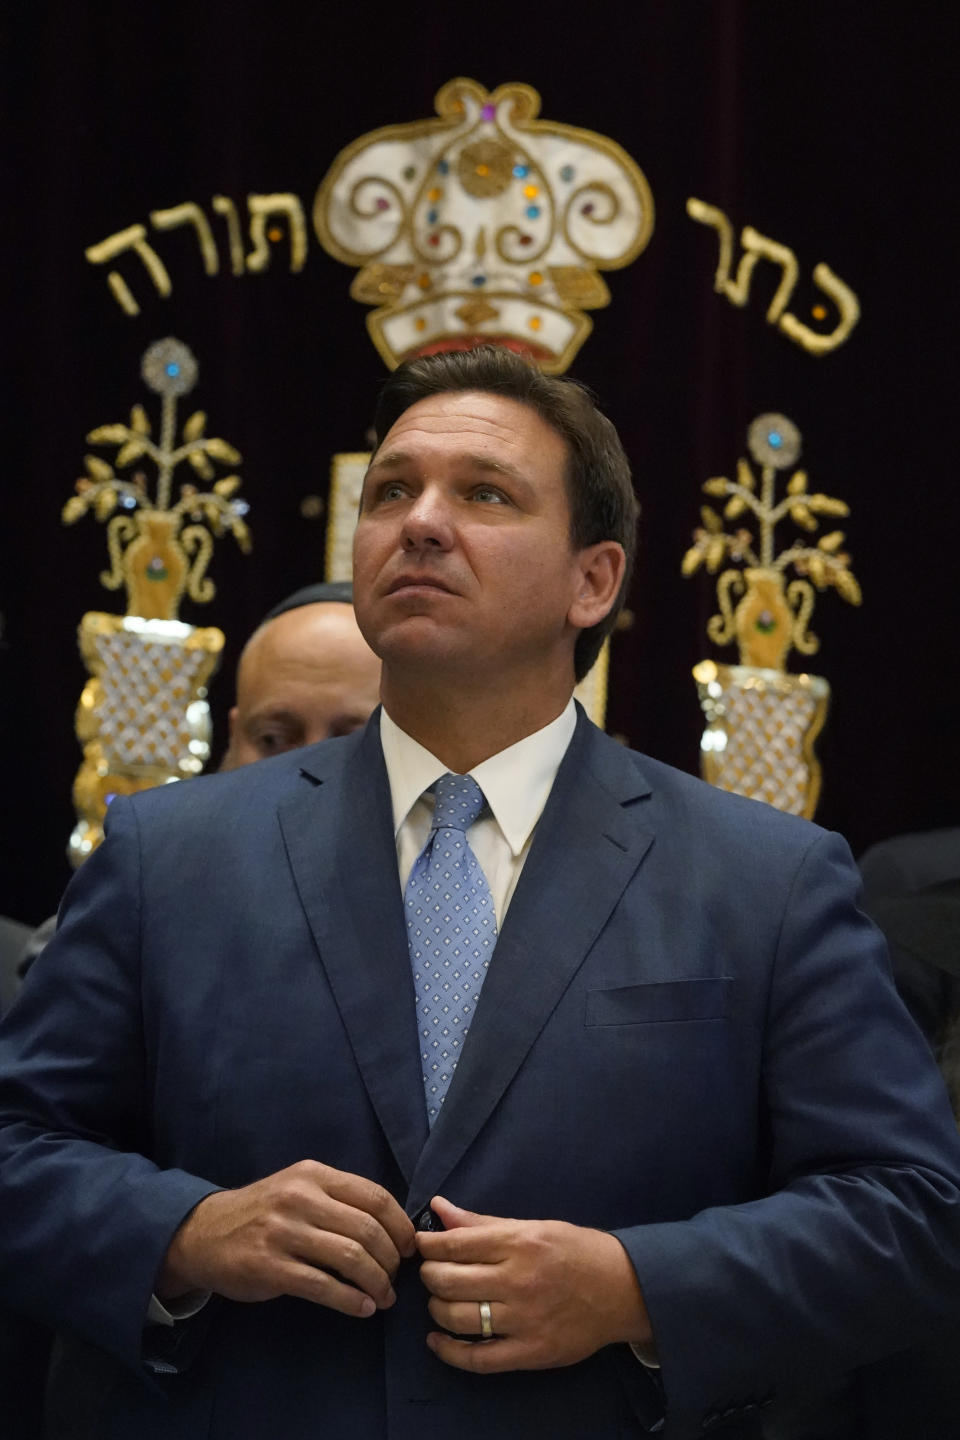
(576, 285)
(475, 312)
(485, 168)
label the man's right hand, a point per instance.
(311, 1231)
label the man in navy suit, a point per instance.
(686, 1150)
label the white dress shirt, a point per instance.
(516, 783)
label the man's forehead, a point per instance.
(308, 634)
(460, 416)
(320, 616)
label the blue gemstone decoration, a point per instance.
(479, 280)
(533, 211)
(431, 217)
(239, 507)
(173, 369)
(128, 502)
(443, 166)
(775, 439)
(567, 173)
(521, 172)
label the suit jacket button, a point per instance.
(426, 1220)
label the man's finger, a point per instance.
(453, 1217)
(462, 1317)
(306, 1282)
(368, 1197)
(340, 1255)
(460, 1282)
(486, 1358)
(487, 1245)
(466, 1237)
(357, 1226)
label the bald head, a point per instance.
(306, 675)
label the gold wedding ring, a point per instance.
(486, 1321)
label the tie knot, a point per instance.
(458, 802)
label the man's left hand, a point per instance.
(556, 1292)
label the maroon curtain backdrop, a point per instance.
(826, 126)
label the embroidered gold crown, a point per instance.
(484, 224)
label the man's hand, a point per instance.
(556, 1292)
(311, 1231)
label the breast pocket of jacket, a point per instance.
(661, 1002)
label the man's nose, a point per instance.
(428, 521)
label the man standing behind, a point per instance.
(306, 674)
(473, 1026)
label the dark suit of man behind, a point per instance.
(688, 1081)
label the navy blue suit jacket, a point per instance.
(687, 1035)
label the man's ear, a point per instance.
(601, 568)
(229, 761)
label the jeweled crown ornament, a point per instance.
(143, 718)
(150, 549)
(483, 225)
(762, 722)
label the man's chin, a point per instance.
(419, 642)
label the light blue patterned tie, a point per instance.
(451, 932)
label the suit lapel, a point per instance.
(339, 836)
(584, 854)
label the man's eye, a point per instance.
(275, 742)
(384, 493)
(393, 490)
(489, 495)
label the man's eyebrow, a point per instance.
(392, 458)
(275, 714)
(397, 459)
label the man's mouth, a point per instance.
(417, 582)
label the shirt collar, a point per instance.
(516, 782)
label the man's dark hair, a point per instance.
(599, 486)
(326, 592)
